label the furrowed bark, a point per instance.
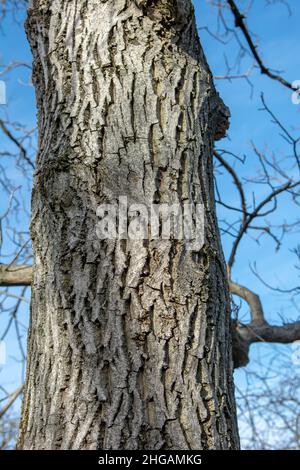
(129, 344)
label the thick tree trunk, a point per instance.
(129, 344)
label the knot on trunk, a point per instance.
(221, 119)
(171, 13)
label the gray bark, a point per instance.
(129, 344)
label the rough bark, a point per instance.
(129, 344)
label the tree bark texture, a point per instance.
(129, 344)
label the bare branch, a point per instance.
(23, 151)
(236, 180)
(257, 213)
(11, 400)
(240, 23)
(253, 300)
(15, 275)
(13, 65)
(258, 330)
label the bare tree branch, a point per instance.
(258, 330)
(253, 300)
(23, 151)
(240, 23)
(15, 275)
(11, 400)
(256, 213)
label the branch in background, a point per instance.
(257, 213)
(11, 399)
(240, 23)
(236, 180)
(13, 65)
(253, 300)
(15, 275)
(248, 216)
(286, 134)
(258, 330)
(23, 151)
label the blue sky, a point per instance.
(278, 35)
(278, 39)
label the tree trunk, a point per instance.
(129, 343)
